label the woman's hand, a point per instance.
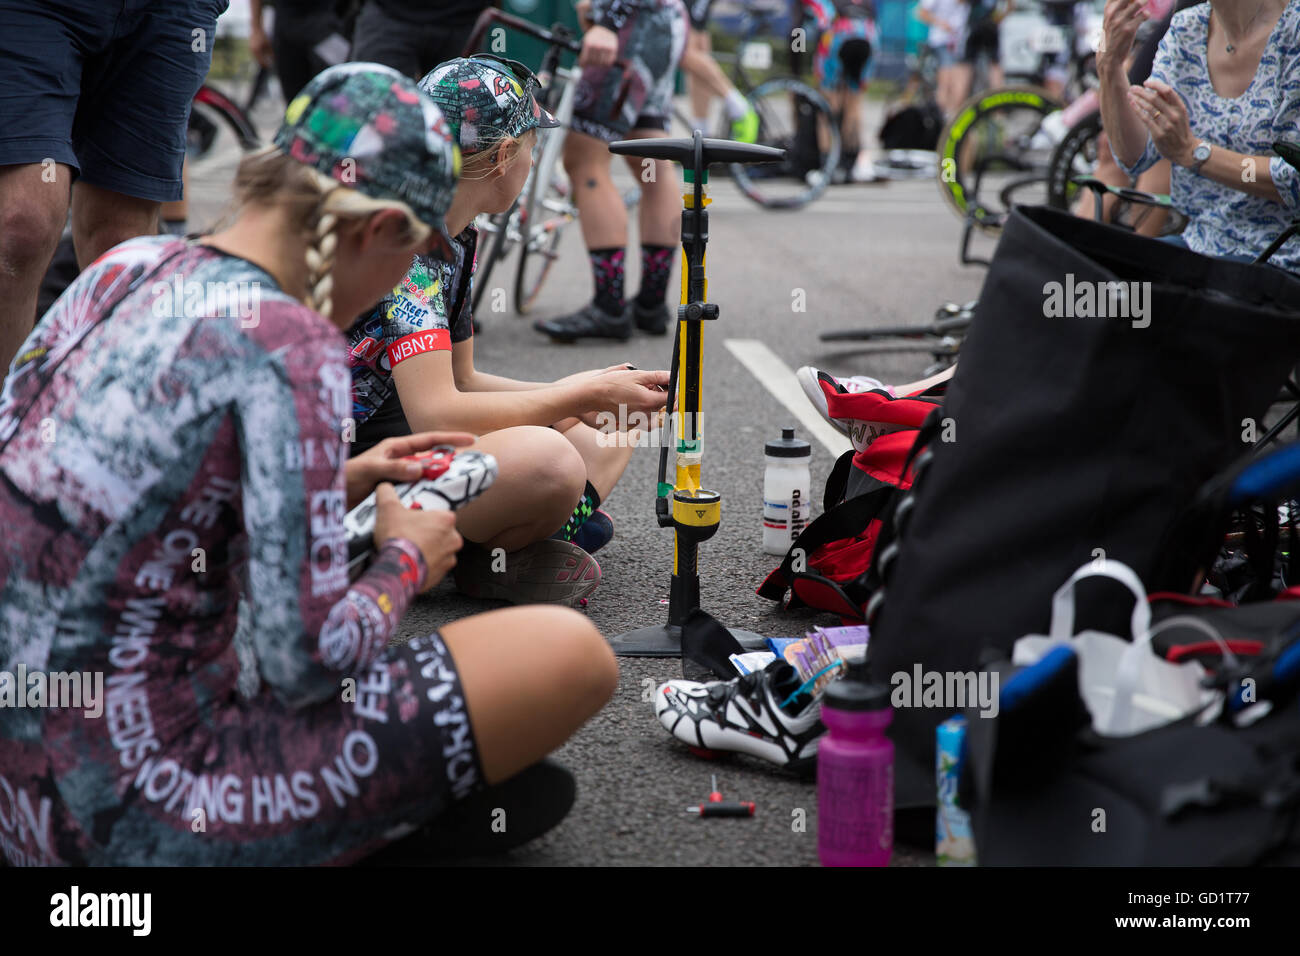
(1164, 114)
(583, 8)
(433, 532)
(384, 461)
(599, 47)
(625, 392)
(1119, 27)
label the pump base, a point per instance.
(665, 640)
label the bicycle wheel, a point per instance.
(996, 147)
(794, 117)
(210, 111)
(1075, 156)
(547, 212)
(500, 226)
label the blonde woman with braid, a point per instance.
(198, 396)
(413, 368)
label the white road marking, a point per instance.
(778, 378)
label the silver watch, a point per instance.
(1200, 155)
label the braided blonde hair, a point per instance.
(318, 206)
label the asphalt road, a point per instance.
(864, 255)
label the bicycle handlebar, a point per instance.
(558, 35)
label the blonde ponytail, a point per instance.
(319, 207)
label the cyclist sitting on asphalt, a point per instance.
(210, 426)
(705, 80)
(842, 65)
(650, 35)
(413, 361)
(1221, 92)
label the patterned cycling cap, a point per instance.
(486, 98)
(370, 128)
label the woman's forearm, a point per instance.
(1128, 136)
(485, 382)
(1243, 172)
(483, 412)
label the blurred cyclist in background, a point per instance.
(842, 62)
(705, 80)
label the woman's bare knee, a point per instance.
(581, 654)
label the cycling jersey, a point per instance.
(429, 311)
(844, 49)
(171, 439)
(651, 37)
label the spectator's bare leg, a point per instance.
(102, 218)
(33, 209)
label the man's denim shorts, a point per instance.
(104, 86)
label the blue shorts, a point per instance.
(104, 86)
(945, 56)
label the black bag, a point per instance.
(1044, 789)
(804, 155)
(1072, 437)
(913, 127)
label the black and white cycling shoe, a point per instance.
(744, 716)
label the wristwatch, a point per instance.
(1200, 154)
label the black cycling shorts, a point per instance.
(982, 40)
(698, 11)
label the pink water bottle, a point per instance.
(855, 775)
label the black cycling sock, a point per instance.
(607, 269)
(585, 508)
(656, 266)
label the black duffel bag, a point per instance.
(1074, 436)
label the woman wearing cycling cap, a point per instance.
(171, 440)
(413, 361)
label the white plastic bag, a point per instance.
(1126, 686)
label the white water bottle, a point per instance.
(787, 491)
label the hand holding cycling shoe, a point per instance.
(421, 510)
(395, 459)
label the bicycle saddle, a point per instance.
(683, 151)
(1288, 151)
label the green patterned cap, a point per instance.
(370, 128)
(485, 98)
